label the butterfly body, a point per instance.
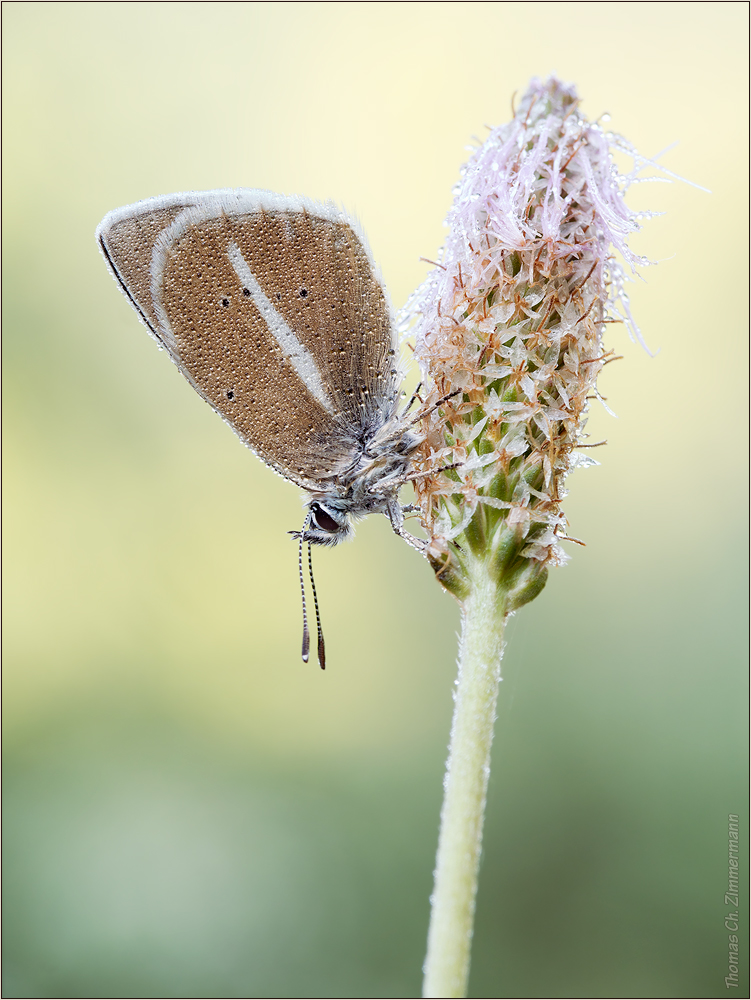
(273, 310)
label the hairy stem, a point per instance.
(467, 770)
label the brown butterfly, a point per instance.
(274, 311)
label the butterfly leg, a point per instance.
(395, 514)
(415, 395)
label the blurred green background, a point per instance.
(192, 812)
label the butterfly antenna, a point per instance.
(305, 632)
(321, 647)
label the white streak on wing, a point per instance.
(299, 356)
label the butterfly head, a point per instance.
(327, 522)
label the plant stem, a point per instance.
(453, 901)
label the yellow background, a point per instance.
(191, 811)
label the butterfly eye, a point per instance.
(225, 302)
(303, 293)
(323, 519)
(230, 394)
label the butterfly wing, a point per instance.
(273, 310)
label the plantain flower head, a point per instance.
(509, 330)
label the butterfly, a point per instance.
(274, 310)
